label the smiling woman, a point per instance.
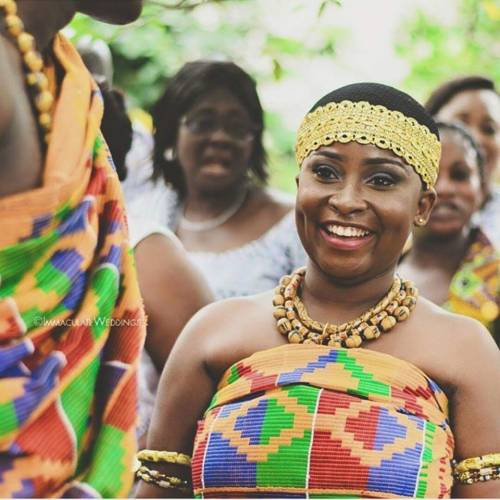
(299, 408)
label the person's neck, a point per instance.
(45, 18)
(200, 206)
(337, 301)
(444, 252)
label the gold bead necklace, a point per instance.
(293, 321)
(33, 62)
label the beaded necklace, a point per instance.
(33, 63)
(294, 322)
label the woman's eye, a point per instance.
(488, 129)
(382, 180)
(325, 172)
(460, 175)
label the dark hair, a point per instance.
(191, 83)
(447, 90)
(116, 128)
(462, 132)
(379, 94)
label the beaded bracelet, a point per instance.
(473, 470)
(171, 457)
(162, 480)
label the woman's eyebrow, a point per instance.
(329, 154)
(383, 161)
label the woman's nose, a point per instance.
(347, 199)
(444, 186)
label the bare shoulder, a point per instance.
(456, 344)
(232, 329)
(449, 327)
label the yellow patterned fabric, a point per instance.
(309, 421)
(475, 287)
(365, 123)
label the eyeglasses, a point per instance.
(237, 128)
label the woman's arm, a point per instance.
(172, 289)
(476, 405)
(184, 393)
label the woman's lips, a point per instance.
(345, 243)
(215, 168)
(445, 211)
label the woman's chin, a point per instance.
(440, 230)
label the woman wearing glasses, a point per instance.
(210, 190)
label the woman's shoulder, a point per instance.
(232, 329)
(450, 343)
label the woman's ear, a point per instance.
(426, 203)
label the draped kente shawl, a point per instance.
(71, 317)
(315, 421)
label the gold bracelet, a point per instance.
(162, 480)
(473, 470)
(171, 457)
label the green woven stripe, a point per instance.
(306, 395)
(427, 458)
(8, 418)
(367, 385)
(105, 286)
(108, 467)
(288, 466)
(17, 260)
(77, 399)
(51, 279)
(276, 420)
(233, 376)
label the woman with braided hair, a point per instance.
(341, 381)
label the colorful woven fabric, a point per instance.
(315, 421)
(71, 319)
(475, 287)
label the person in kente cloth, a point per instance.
(342, 381)
(71, 317)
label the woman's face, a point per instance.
(215, 142)
(356, 205)
(458, 187)
(479, 110)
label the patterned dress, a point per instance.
(475, 287)
(308, 421)
(71, 317)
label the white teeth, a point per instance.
(347, 232)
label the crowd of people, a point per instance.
(172, 326)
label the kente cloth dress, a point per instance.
(475, 287)
(71, 318)
(309, 421)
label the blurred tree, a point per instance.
(148, 52)
(437, 51)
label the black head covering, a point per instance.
(379, 94)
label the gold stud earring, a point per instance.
(420, 221)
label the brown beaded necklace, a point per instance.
(33, 62)
(294, 322)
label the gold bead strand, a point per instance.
(294, 322)
(43, 99)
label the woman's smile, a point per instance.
(345, 237)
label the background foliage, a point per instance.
(171, 32)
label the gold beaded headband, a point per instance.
(366, 123)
